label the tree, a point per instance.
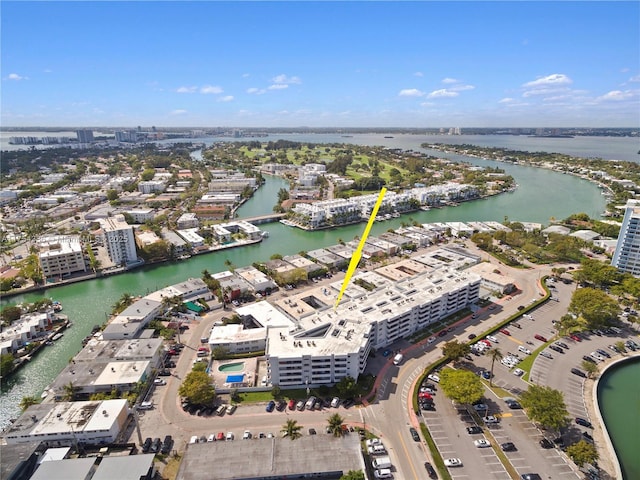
(595, 306)
(27, 401)
(455, 350)
(291, 429)
(276, 391)
(197, 388)
(220, 352)
(69, 392)
(353, 475)
(621, 346)
(582, 452)
(112, 195)
(589, 367)
(6, 364)
(335, 422)
(461, 386)
(229, 264)
(347, 387)
(495, 354)
(8, 315)
(545, 406)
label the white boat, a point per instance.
(57, 336)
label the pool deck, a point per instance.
(249, 370)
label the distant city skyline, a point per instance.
(320, 64)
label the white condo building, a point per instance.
(310, 343)
(119, 240)
(61, 255)
(627, 255)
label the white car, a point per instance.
(159, 381)
(481, 443)
(229, 436)
(434, 377)
(597, 356)
(211, 438)
(246, 435)
(383, 473)
(492, 338)
(431, 339)
(452, 462)
(490, 419)
(518, 372)
(373, 441)
(194, 439)
(524, 350)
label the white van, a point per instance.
(397, 360)
(383, 473)
(381, 462)
(145, 406)
(194, 439)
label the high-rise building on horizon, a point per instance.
(626, 258)
(84, 136)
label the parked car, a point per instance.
(563, 345)
(556, 348)
(546, 354)
(514, 405)
(349, 402)
(481, 443)
(490, 419)
(231, 409)
(508, 447)
(430, 470)
(155, 445)
(166, 444)
(587, 358)
(474, 429)
(146, 445)
(584, 422)
(530, 476)
(271, 406)
(578, 372)
(540, 337)
(281, 405)
(546, 443)
(292, 404)
(504, 331)
(452, 462)
(518, 372)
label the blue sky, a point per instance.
(333, 64)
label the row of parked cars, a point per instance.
(157, 446)
(208, 410)
(312, 403)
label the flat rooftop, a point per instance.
(272, 458)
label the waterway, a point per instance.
(541, 195)
(619, 400)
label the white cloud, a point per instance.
(16, 77)
(460, 88)
(617, 95)
(187, 89)
(178, 112)
(450, 80)
(443, 92)
(506, 100)
(635, 79)
(544, 91)
(256, 91)
(208, 89)
(245, 75)
(283, 79)
(278, 86)
(411, 92)
(418, 74)
(47, 70)
(553, 79)
(226, 98)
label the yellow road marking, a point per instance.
(355, 259)
(404, 447)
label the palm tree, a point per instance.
(229, 264)
(335, 422)
(27, 401)
(69, 392)
(291, 429)
(495, 354)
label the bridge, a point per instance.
(270, 217)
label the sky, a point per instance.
(417, 64)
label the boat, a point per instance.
(388, 136)
(57, 336)
(264, 234)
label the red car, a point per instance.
(540, 337)
(505, 331)
(575, 337)
(486, 342)
(292, 404)
(425, 395)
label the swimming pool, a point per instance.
(231, 367)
